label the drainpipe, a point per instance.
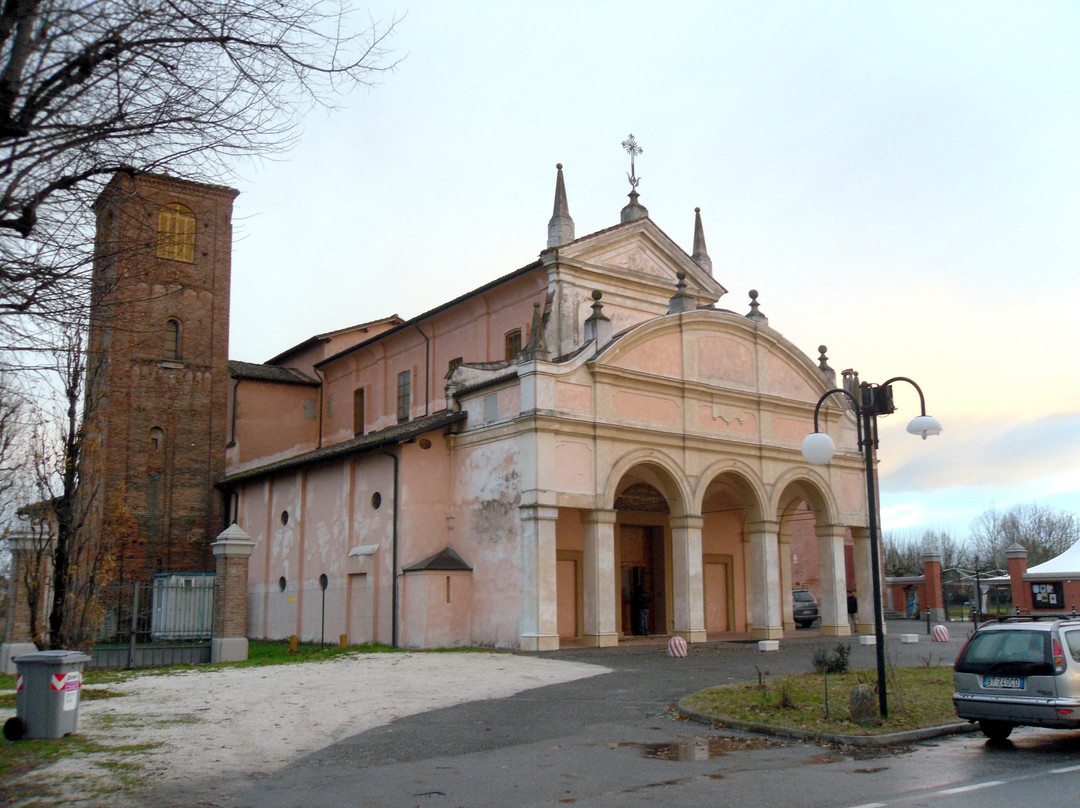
(394, 605)
(322, 384)
(427, 370)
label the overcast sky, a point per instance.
(900, 181)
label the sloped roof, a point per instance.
(269, 373)
(328, 335)
(364, 443)
(446, 560)
(1064, 567)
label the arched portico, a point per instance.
(811, 550)
(731, 498)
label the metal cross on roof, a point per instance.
(633, 149)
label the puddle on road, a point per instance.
(692, 749)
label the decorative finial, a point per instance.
(537, 347)
(597, 325)
(633, 149)
(823, 360)
(558, 166)
(755, 309)
(682, 300)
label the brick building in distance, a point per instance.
(157, 370)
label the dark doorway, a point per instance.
(642, 567)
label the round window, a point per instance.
(281, 583)
(284, 517)
(376, 500)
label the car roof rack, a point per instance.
(1036, 618)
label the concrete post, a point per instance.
(599, 583)
(688, 578)
(935, 596)
(1021, 589)
(764, 592)
(231, 551)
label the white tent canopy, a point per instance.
(1064, 567)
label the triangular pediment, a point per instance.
(640, 249)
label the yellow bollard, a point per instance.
(343, 641)
(294, 643)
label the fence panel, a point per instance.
(168, 622)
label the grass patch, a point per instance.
(918, 697)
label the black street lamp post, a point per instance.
(818, 448)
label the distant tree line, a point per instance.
(1043, 531)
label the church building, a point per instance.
(584, 449)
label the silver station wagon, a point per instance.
(1021, 672)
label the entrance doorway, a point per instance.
(643, 580)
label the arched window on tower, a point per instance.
(176, 233)
(172, 339)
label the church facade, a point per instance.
(585, 449)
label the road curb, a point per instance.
(888, 739)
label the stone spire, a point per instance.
(701, 254)
(560, 226)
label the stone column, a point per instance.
(763, 561)
(864, 584)
(539, 622)
(787, 608)
(1021, 589)
(834, 618)
(688, 578)
(935, 598)
(599, 584)
(17, 635)
(231, 551)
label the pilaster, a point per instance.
(687, 575)
(833, 606)
(539, 621)
(599, 580)
(764, 594)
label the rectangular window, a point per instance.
(404, 395)
(491, 408)
(513, 343)
(358, 411)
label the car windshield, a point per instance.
(1015, 652)
(803, 596)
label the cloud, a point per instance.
(984, 456)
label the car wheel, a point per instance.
(805, 624)
(996, 730)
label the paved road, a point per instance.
(613, 740)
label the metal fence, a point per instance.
(960, 600)
(167, 622)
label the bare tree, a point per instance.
(1042, 531)
(92, 87)
(65, 564)
(904, 551)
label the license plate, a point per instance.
(1004, 682)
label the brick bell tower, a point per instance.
(157, 372)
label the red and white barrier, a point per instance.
(939, 634)
(677, 647)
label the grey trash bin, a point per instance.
(47, 694)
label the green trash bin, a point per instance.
(48, 684)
